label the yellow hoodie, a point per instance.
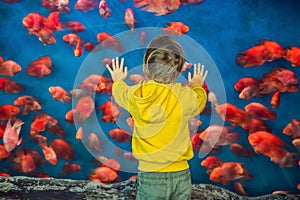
(161, 139)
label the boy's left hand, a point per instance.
(117, 72)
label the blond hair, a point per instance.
(163, 60)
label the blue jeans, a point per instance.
(164, 185)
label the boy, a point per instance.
(160, 109)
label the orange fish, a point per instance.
(71, 39)
(283, 158)
(240, 150)
(39, 124)
(23, 161)
(85, 106)
(42, 174)
(28, 104)
(85, 6)
(46, 37)
(38, 70)
(229, 171)
(254, 56)
(70, 168)
(78, 49)
(104, 11)
(259, 111)
(43, 60)
(292, 54)
(231, 113)
(253, 125)
(292, 129)
(275, 100)
(79, 134)
(109, 41)
(78, 93)
(60, 94)
(10, 87)
(63, 149)
(3, 153)
(210, 163)
(8, 111)
(110, 112)
(97, 83)
(70, 115)
(94, 143)
(2, 128)
(57, 5)
(108, 162)
(130, 122)
(134, 177)
(175, 28)
(52, 23)
(49, 153)
(120, 135)
(296, 143)
(159, 7)
(103, 175)
(275, 51)
(9, 68)
(129, 19)
(33, 22)
(4, 174)
(74, 26)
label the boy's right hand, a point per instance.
(199, 75)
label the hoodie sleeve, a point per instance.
(201, 98)
(120, 92)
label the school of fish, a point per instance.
(251, 118)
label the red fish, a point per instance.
(259, 111)
(129, 19)
(109, 41)
(143, 37)
(42, 174)
(296, 143)
(103, 175)
(253, 125)
(4, 174)
(24, 161)
(70, 115)
(9, 68)
(94, 143)
(85, 106)
(46, 37)
(54, 127)
(104, 11)
(110, 112)
(285, 76)
(89, 46)
(231, 113)
(63, 149)
(240, 150)
(78, 49)
(74, 26)
(33, 22)
(71, 39)
(275, 100)
(85, 5)
(70, 168)
(120, 135)
(159, 7)
(275, 51)
(8, 111)
(292, 54)
(292, 129)
(175, 28)
(97, 83)
(3, 153)
(60, 94)
(229, 171)
(28, 104)
(10, 87)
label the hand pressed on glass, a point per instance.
(116, 71)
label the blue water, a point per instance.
(223, 28)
